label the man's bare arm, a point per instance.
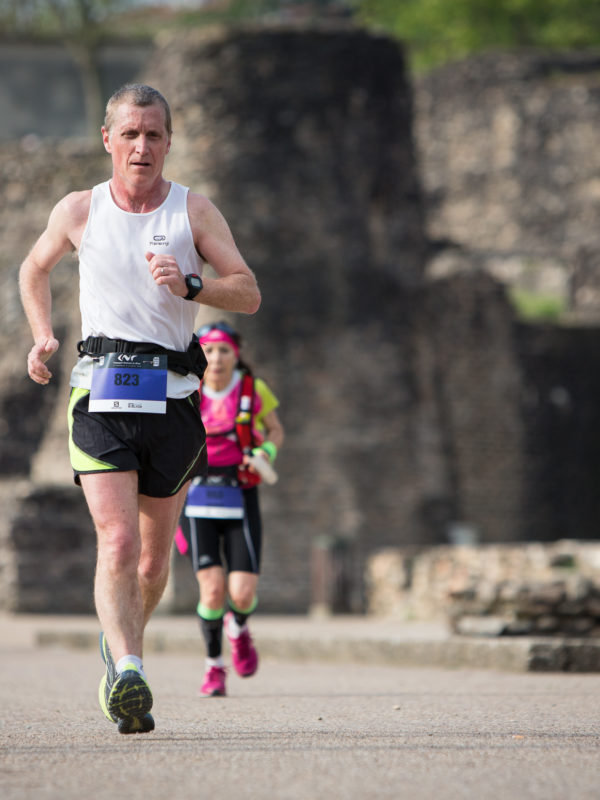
(34, 280)
(235, 288)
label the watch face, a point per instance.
(194, 285)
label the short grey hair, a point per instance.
(139, 95)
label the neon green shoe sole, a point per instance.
(102, 693)
(130, 695)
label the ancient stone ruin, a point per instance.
(536, 588)
(418, 409)
(510, 166)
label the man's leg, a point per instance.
(158, 519)
(112, 499)
(124, 694)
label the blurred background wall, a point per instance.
(399, 225)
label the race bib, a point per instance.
(129, 382)
(214, 502)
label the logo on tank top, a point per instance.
(158, 240)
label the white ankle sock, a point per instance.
(233, 629)
(135, 660)
(215, 662)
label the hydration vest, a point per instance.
(243, 430)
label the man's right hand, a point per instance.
(36, 360)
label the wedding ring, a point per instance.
(162, 270)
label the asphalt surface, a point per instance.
(316, 726)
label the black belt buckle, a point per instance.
(91, 346)
(100, 345)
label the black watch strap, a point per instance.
(194, 285)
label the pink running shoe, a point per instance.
(243, 652)
(214, 682)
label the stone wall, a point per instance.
(559, 393)
(534, 589)
(303, 140)
(55, 549)
(473, 470)
(47, 542)
(418, 410)
(511, 170)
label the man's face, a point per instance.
(138, 143)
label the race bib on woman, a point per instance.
(214, 501)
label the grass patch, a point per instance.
(535, 307)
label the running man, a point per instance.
(135, 434)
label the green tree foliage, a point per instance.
(234, 11)
(436, 31)
(50, 18)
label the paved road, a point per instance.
(298, 731)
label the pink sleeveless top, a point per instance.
(218, 411)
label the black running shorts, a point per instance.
(165, 449)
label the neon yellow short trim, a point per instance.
(80, 460)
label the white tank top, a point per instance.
(117, 296)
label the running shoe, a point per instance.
(243, 652)
(143, 724)
(108, 678)
(214, 682)
(119, 696)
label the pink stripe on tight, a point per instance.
(181, 542)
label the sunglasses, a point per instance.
(218, 326)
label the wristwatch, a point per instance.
(194, 285)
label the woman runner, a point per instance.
(221, 526)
